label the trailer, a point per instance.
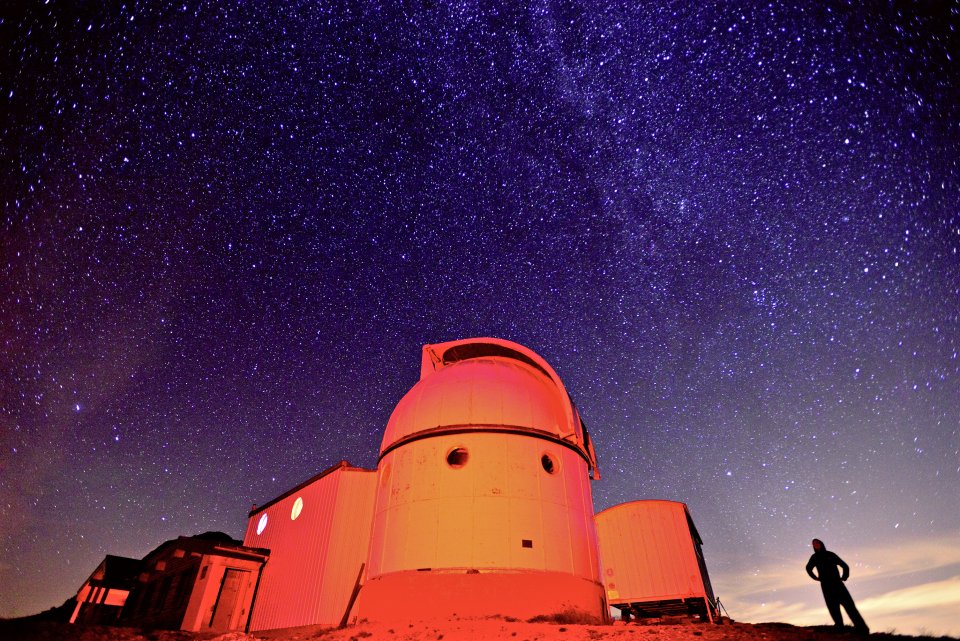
(653, 564)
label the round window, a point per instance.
(297, 508)
(549, 463)
(262, 524)
(458, 457)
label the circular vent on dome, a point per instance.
(458, 457)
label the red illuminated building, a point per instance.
(483, 493)
(197, 583)
(102, 596)
(653, 561)
(317, 534)
(480, 505)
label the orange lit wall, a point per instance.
(651, 552)
(317, 534)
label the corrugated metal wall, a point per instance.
(314, 559)
(648, 552)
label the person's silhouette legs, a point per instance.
(858, 623)
(833, 605)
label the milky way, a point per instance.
(228, 228)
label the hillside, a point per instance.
(490, 629)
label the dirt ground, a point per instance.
(489, 629)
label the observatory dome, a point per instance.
(485, 384)
(483, 502)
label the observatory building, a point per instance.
(483, 502)
(480, 506)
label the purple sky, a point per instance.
(228, 228)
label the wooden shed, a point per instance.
(317, 533)
(653, 564)
(197, 583)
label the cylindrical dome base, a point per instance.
(427, 594)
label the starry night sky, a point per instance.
(228, 229)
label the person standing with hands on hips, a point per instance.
(834, 591)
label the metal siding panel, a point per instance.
(522, 464)
(588, 532)
(515, 397)
(526, 523)
(649, 568)
(583, 544)
(349, 541)
(391, 541)
(676, 580)
(557, 538)
(687, 558)
(490, 537)
(456, 402)
(552, 486)
(420, 542)
(425, 411)
(382, 492)
(659, 548)
(290, 592)
(403, 482)
(574, 473)
(485, 390)
(647, 551)
(658, 539)
(454, 534)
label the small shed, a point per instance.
(102, 595)
(653, 564)
(197, 583)
(317, 534)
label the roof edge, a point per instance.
(643, 501)
(342, 465)
(686, 513)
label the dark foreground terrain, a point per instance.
(489, 629)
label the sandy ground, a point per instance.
(491, 629)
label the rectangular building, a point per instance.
(652, 559)
(101, 597)
(317, 534)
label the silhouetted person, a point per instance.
(834, 591)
